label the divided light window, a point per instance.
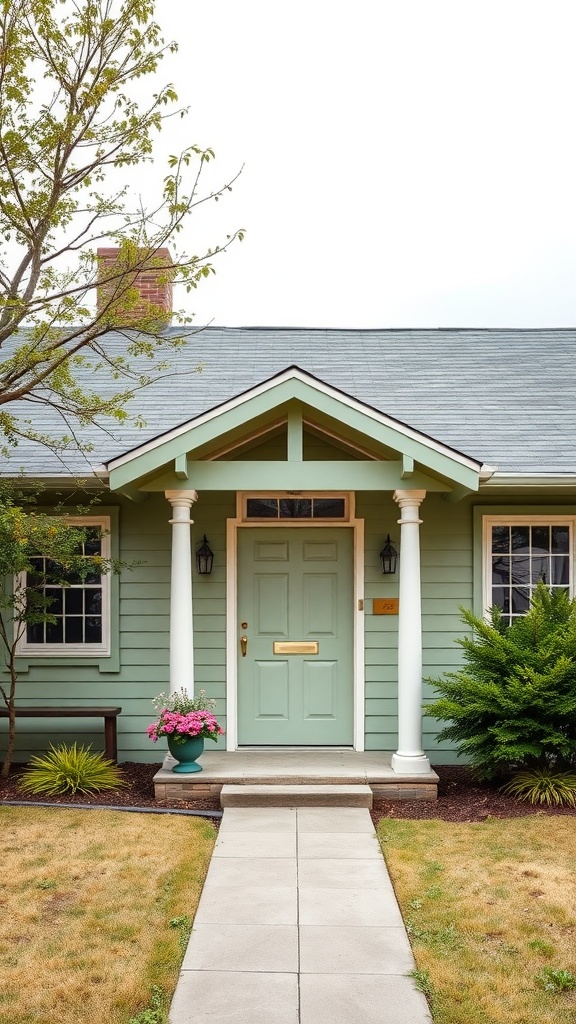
(522, 551)
(296, 508)
(81, 608)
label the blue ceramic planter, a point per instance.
(186, 753)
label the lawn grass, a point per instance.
(87, 904)
(489, 907)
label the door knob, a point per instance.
(243, 645)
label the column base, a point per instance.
(410, 764)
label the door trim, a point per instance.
(232, 527)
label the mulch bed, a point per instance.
(460, 797)
(138, 791)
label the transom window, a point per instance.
(81, 607)
(333, 508)
(521, 551)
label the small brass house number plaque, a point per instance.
(296, 647)
(385, 606)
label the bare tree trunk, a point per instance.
(9, 700)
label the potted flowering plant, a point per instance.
(186, 722)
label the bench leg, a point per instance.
(110, 738)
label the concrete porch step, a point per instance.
(296, 796)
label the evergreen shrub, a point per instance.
(512, 706)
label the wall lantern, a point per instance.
(204, 558)
(388, 558)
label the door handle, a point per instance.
(243, 645)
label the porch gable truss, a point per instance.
(400, 453)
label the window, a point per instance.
(519, 552)
(82, 607)
(266, 508)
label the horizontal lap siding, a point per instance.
(446, 543)
(145, 539)
(446, 564)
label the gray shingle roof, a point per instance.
(503, 397)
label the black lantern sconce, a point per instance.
(388, 558)
(204, 558)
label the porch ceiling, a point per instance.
(388, 454)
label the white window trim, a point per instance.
(488, 521)
(30, 650)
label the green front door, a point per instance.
(295, 588)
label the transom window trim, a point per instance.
(558, 565)
(74, 650)
(313, 505)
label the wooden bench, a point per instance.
(108, 714)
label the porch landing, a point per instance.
(257, 766)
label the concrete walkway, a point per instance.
(298, 924)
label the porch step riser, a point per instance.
(296, 796)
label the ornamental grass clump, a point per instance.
(543, 786)
(512, 706)
(70, 770)
(182, 716)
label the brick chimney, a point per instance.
(153, 305)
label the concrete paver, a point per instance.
(220, 997)
(298, 924)
(368, 907)
(345, 950)
(360, 998)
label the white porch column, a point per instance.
(181, 627)
(409, 758)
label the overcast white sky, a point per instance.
(407, 163)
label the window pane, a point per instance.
(73, 601)
(561, 570)
(262, 508)
(54, 632)
(329, 508)
(540, 570)
(73, 630)
(520, 568)
(520, 600)
(54, 597)
(501, 538)
(500, 569)
(295, 508)
(93, 602)
(560, 540)
(541, 539)
(93, 542)
(501, 597)
(92, 577)
(35, 633)
(93, 630)
(520, 538)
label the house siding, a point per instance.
(449, 551)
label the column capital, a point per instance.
(409, 499)
(181, 499)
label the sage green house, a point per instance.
(355, 488)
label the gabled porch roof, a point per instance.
(388, 452)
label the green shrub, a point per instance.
(70, 770)
(512, 706)
(543, 786)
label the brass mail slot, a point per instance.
(296, 647)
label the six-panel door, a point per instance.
(295, 585)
